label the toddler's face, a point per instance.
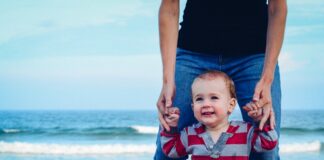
(211, 101)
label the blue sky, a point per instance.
(105, 55)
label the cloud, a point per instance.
(288, 63)
(37, 17)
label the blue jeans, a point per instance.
(245, 72)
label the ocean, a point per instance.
(114, 135)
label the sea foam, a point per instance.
(108, 149)
(33, 148)
(10, 130)
(146, 129)
(314, 146)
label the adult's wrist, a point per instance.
(267, 75)
(168, 78)
(267, 79)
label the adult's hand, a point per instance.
(164, 102)
(260, 114)
(262, 98)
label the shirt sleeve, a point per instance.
(174, 143)
(262, 140)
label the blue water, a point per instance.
(127, 134)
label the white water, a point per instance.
(44, 148)
(146, 129)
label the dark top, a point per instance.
(228, 27)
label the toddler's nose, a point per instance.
(206, 104)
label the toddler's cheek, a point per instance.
(220, 111)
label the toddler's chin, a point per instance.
(208, 123)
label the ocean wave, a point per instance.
(124, 130)
(314, 146)
(31, 148)
(94, 131)
(68, 149)
(10, 131)
(146, 129)
(301, 130)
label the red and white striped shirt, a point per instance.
(235, 144)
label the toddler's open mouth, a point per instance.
(207, 113)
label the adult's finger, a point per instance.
(272, 119)
(168, 95)
(265, 116)
(163, 122)
(160, 103)
(168, 101)
(263, 101)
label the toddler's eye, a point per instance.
(214, 97)
(199, 99)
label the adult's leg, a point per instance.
(188, 66)
(246, 72)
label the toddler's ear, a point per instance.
(232, 105)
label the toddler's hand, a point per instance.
(173, 117)
(253, 111)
